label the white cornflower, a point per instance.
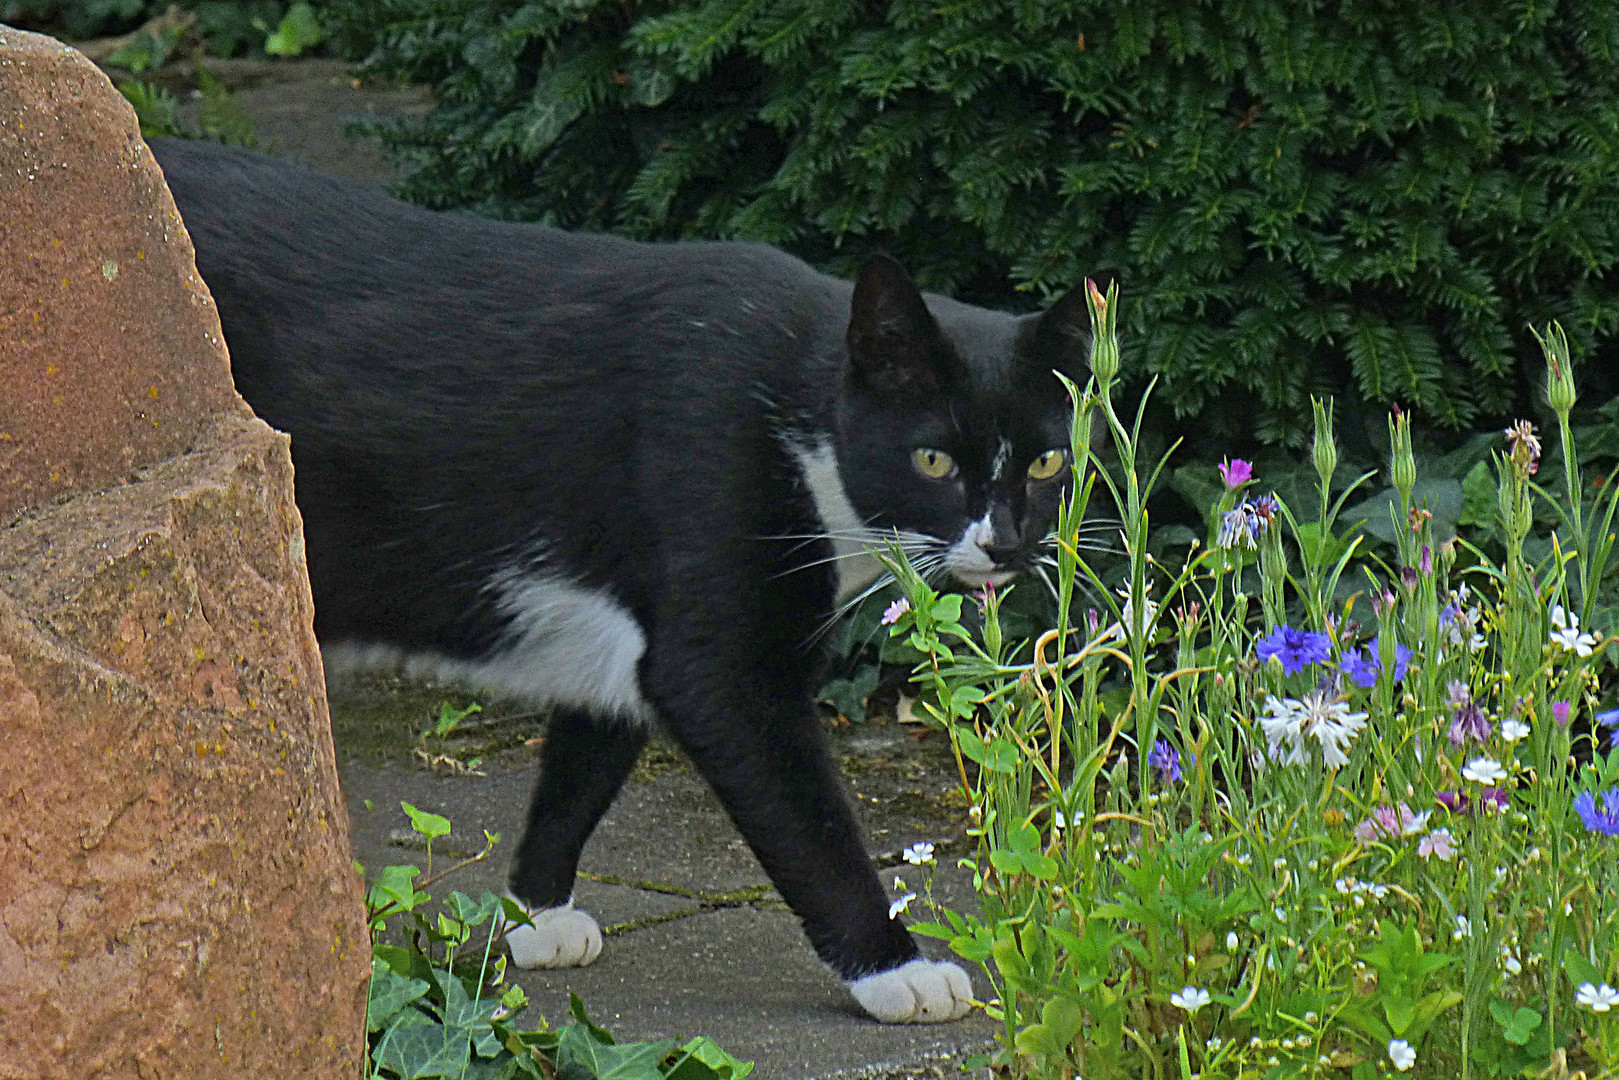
(1484, 771)
(920, 854)
(1513, 730)
(1598, 999)
(1191, 999)
(1568, 633)
(897, 908)
(1401, 1056)
(1288, 722)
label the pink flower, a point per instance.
(1560, 712)
(1437, 844)
(892, 613)
(1236, 473)
(1389, 821)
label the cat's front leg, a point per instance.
(755, 739)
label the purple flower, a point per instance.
(892, 613)
(1236, 473)
(1364, 671)
(1456, 802)
(1296, 649)
(1494, 800)
(1167, 760)
(1470, 723)
(1560, 713)
(1425, 563)
(1605, 820)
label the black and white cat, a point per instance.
(582, 470)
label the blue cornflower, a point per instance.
(1296, 649)
(1365, 670)
(1609, 719)
(1605, 820)
(1167, 760)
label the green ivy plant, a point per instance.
(440, 1006)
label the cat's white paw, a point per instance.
(918, 992)
(560, 937)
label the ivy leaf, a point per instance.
(390, 992)
(429, 825)
(581, 1056)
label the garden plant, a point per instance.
(440, 1005)
(1277, 809)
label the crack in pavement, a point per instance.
(758, 897)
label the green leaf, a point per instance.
(429, 825)
(1517, 1026)
(300, 29)
(581, 1056)
(415, 1046)
(449, 717)
(715, 1062)
(395, 885)
(389, 993)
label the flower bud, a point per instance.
(1559, 370)
(1324, 452)
(1104, 332)
(1402, 465)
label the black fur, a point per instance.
(470, 399)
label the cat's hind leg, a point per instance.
(585, 762)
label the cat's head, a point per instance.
(952, 427)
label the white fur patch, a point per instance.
(567, 645)
(970, 563)
(560, 937)
(1003, 454)
(818, 464)
(919, 992)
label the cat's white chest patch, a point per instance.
(818, 465)
(565, 645)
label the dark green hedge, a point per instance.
(1298, 197)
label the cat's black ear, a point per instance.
(1060, 336)
(894, 343)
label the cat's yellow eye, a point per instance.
(934, 464)
(1047, 465)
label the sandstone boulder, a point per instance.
(176, 892)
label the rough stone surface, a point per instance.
(110, 352)
(176, 891)
(176, 894)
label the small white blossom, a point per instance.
(1599, 999)
(1191, 999)
(1231, 941)
(1463, 928)
(1510, 962)
(1568, 633)
(1401, 1056)
(918, 854)
(898, 907)
(1484, 771)
(1513, 730)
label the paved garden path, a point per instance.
(697, 942)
